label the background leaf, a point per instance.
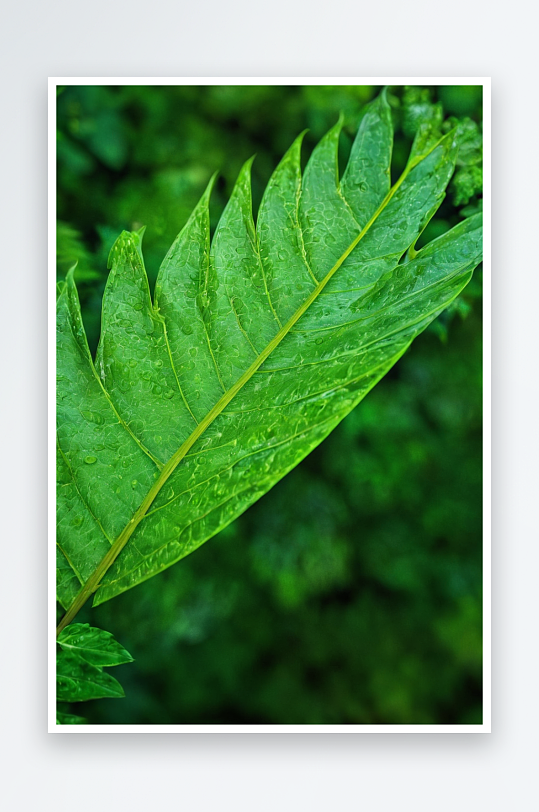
(69, 719)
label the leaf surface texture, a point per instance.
(255, 347)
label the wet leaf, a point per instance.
(94, 645)
(256, 345)
(77, 680)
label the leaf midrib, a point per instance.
(93, 583)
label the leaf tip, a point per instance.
(243, 181)
(125, 241)
(293, 153)
(335, 131)
(70, 275)
(70, 287)
(248, 164)
(211, 183)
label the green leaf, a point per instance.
(77, 680)
(418, 111)
(94, 645)
(69, 719)
(70, 251)
(468, 179)
(256, 345)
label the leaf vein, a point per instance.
(83, 500)
(174, 370)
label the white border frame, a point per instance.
(485, 82)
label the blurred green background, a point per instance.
(351, 593)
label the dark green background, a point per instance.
(351, 593)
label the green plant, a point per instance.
(83, 653)
(254, 348)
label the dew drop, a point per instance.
(90, 460)
(93, 417)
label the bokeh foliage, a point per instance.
(351, 593)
